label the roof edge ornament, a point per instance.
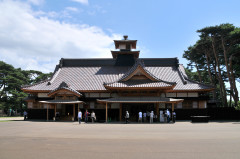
(61, 63)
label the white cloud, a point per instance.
(72, 9)
(36, 2)
(81, 1)
(30, 40)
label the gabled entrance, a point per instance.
(65, 102)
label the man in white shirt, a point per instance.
(127, 117)
(93, 116)
(140, 116)
(168, 116)
(151, 117)
(25, 114)
(79, 116)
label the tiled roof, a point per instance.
(92, 76)
(140, 100)
(65, 86)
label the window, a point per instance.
(195, 104)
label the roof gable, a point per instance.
(64, 87)
(139, 71)
(138, 76)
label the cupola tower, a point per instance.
(124, 54)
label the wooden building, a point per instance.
(110, 86)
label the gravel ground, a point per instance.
(63, 140)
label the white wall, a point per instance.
(192, 94)
(171, 94)
(122, 46)
(182, 94)
(42, 95)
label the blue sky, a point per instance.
(35, 34)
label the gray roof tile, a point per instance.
(91, 77)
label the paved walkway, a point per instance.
(61, 140)
(10, 118)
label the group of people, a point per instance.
(86, 115)
(150, 116)
(143, 117)
(167, 116)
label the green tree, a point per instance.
(11, 80)
(217, 53)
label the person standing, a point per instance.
(168, 116)
(148, 115)
(127, 117)
(79, 116)
(140, 117)
(151, 117)
(165, 116)
(93, 116)
(86, 116)
(144, 117)
(174, 117)
(25, 114)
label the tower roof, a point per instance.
(133, 43)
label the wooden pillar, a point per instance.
(106, 112)
(74, 111)
(120, 112)
(47, 112)
(172, 110)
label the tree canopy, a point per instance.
(11, 80)
(216, 57)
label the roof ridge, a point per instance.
(182, 76)
(187, 79)
(207, 85)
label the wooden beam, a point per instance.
(106, 112)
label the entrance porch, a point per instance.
(64, 109)
(138, 103)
